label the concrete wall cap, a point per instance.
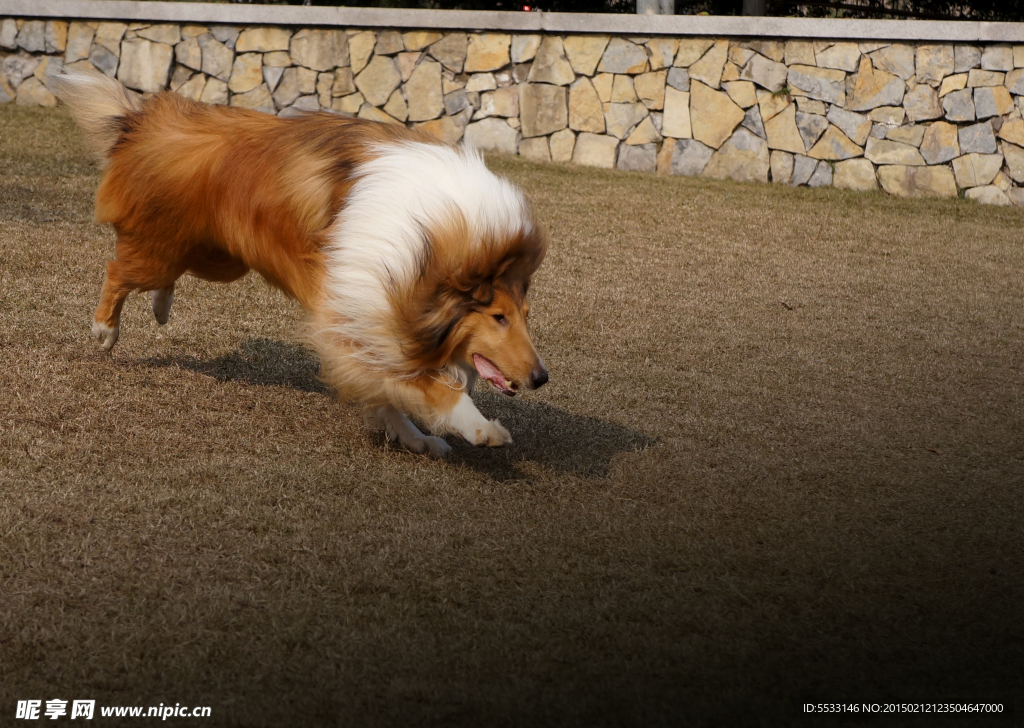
(625, 24)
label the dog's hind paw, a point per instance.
(105, 335)
(162, 298)
(435, 447)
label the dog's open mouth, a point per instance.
(486, 369)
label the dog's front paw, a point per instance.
(105, 335)
(492, 434)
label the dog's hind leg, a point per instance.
(162, 298)
(400, 429)
(106, 323)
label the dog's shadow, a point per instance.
(544, 434)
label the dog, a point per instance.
(412, 260)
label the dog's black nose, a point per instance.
(538, 377)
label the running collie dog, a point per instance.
(412, 260)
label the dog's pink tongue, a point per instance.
(488, 371)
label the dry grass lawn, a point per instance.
(780, 460)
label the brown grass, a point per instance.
(781, 459)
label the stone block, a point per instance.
(562, 144)
(934, 62)
(691, 50)
(773, 49)
(990, 195)
(803, 168)
(650, 89)
(811, 127)
(258, 99)
(841, 56)
(782, 132)
(263, 39)
(771, 104)
(188, 53)
(423, 91)
(922, 104)
(765, 73)
(217, 57)
(912, 135)
(855, 174)
(897, 59)
(743, 157)
(872, 88)
(585, 110)
(620, 119)
(959, 105)
(1014, 157)
(193, 87)
(79, 42)
(622, 56)
(366, 111)
(689, 157)
(742, 93)
(543, 109)
(389, 42)
(595, 150)
(822, 175)
(622, 90)
(145, 66)
(344, 84)
(644, 133)
(524, 48)
(834, 146)
(415, 40)
(752, 121)
(584, 52)
(378, 80)
(992, 101)
(487, 52)
(781, 166)
(661, 51)
(1013, 131)
(976, 170)
(905, 181)
(32, 38)
(713, 115)
(272, 77)
(360, 48)
(855, 126)
(535, 149)
(949, 84)
(676, 121)
(246, 73)
(885, 151)
(1015, 81)
(824, 84)
(449, 129)
(550, 65)
(708, 70)
(55, 36)
(9, 34)
(965, 58)
(161, 33)
(214, 92)
(977, 138)
(799, 53)
(320, 50)
(502, 102)
(641, 158)
(997, 58)
(32, 92)
(451, 51)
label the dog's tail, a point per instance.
(98, 104)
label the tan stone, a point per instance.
(622, 90)
(783, 133)
(192, 31)
(524, 47)
(934, 62)
(742, 93)
(739, 55)
(56, 36)
(603, 84)
(824, 84)
(192, 88)
(247, 73)
(584, 52)
(888, 115)
(904, 181)
(676, 120)
(650, 88)
(343, 84)
(952, 83)
(562, 144)
(79, 42)
(644, 133)
(708, 70)
(662, 51)
(447, 128)
(320, 50)
(217, 57)
(423, 90)
(535, 149)
(416, 40)
(482, 82)
(774, 49)
(834, 145)
(214, 92)
(897, 59)
(1014, 161)
(145, 66)
(263, 40)
(397, 107)
(976, 170)
(713, 115)
(257, 99)
(730, 72)
(595, 150)
(885, 151)
(940, 143)
(542, 109)
(451, 51)
(487, 52)
(378, 80)
(360, 48)
(189, 53)
(770, 104)
(109, 36)
(550, 64)
(744, 157)
(374, 114)
(841, 56)
(873, 88)
(620, 119)
(502, 102)
(32, 92)
(976, 78)
(922, 104)
(855, 174)
(989, 102)
(912, 135)
(389, 42)
(855, 126)
(799, 52)
(622, 56)
(1013, 131)
(585, 110)
(691, 50)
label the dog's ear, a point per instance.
(484, 292)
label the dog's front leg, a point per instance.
(445, 408)
(465, 419)
(400, 429)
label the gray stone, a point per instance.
(272, 76)
(879, 131)
(456, 101)
(781, 165)
(188, 53)
(1016, 195)
(321, 50)
(621, 56)
(997, 58)
(79, 42)
(217, 57)
(103, 59)
(423, 91)
(765, 73)
(8, 34)
(989, 195)
(934, 62)
(752, 120)
(977, 138)
(690, 157)
(1014, 156)
(744, 157)
(642, 158)
(258, 99)
(922, 104)
(965, 58)
(378, 80)
(678, 79)
(524, 47)
(389, 42)
(993, 101)
(853, 125)
(621, 118)
(959, 105)
(161, 33)
(940, 143)
(492, 135)
(811, 127)
(32, 36)
(145, 66)
(535, 149)
(872, 88)
(226, 34)
(803, 168)
(550, 64)
(17, 68)
(562, 144)
(822, 176)
(543, 109)
(819, 83)
(109, 36)
(288, 90)
(897, 59)
(451, 51)
(1015, 81)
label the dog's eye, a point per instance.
(500, 319)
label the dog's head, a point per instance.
(469, 308)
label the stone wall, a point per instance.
(914, 118)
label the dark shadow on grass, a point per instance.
(566, 443)
(262, 362)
